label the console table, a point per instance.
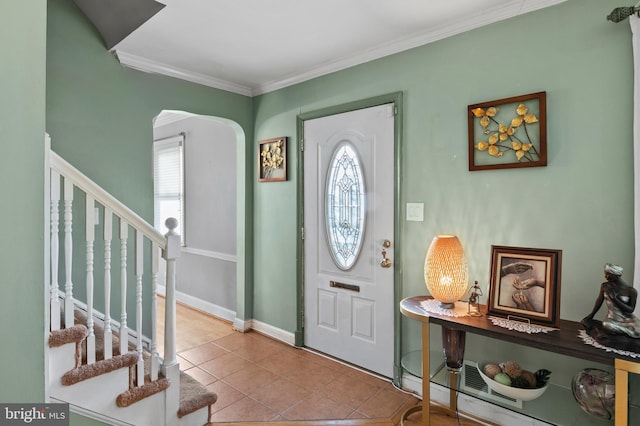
(563, 341)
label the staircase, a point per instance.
(102, 366)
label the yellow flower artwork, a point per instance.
(512, 130)
(272, 160)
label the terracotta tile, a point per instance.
(227, 395)
(184, 364)
(200, 375)
(284, 362)
(234, 341)
(244, 410)
(250, 379)
(257, 350)
(280, 395)
(203, 353)
(317, 408)
(357, 415)
(312, 376)
(304, 385)
(350, 391)
(385, 403)
(225, 365)
(369, 378)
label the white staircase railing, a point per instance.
(65, 180)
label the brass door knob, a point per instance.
(385, 262)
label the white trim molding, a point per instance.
(211, 254)
(201, 305)
(273, 332)
(410, 41)
(147, 65)
(433, 34)
(228, 315)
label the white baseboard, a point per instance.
(228, 315)
(241, 325)
(202, 305)
(273, 332)
(93, 415)
(470, 405)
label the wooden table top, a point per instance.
(563, 340)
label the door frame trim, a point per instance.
(397, 99)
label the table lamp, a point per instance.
(445, 270)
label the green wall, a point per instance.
(99, 116)
(99, 113)
(581, 203)
(22, 127)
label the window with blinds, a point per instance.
(168, 183)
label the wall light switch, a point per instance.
(415, 212)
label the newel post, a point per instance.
(170, 254)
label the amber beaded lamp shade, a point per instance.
(445, 270)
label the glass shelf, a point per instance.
(411, 362)
(556, 406)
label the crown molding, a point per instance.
(533, 5)
(147, 65)
(169, 117)
(490, 16)
(434, 34)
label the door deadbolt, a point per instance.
(385, 262)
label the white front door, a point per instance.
(348, 224)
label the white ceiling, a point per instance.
(257, 46)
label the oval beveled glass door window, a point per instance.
(345, 206)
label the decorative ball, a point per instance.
(530, 378)
(512, 368)
(491, 370)
(594, 390)
(171, 223)
(503, 379)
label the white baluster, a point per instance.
(139, 272)
(90, 237)
(171, 253)
(124, 329)
(68, 253)
(108, 235)
(170, 367)
(155, 260)
(54, 300)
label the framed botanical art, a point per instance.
(525, 284)
(272, 160)
(508, 133)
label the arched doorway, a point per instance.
(212, 265)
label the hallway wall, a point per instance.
(581, 203)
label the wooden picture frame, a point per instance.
(525, 284)
(272, 160)
(508, 133)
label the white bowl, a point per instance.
(511, 392)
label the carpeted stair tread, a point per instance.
(98, 331)
(193, 396)
(88, 371)
(138, 393)
(75, 334)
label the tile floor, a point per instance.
(260, 379)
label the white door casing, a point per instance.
(355, 324)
